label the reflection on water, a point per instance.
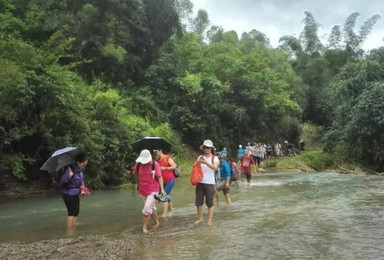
(277, 216)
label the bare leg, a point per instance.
(166, 205)
(71, 221)
(217, 196)
(154, 217)
(170, 206)
(199, 214)
(210, 215)
(145, 224)
(71, 228)
(228, 199)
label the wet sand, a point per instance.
(115, 246)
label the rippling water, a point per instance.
(277, 216)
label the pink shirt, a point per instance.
(147, 181)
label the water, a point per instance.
(277, 216)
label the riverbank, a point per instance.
(114, 246)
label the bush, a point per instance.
(317, 159)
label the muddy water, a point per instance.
(277, 216)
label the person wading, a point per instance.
(206, 187)
(149, 181)
(167, 165)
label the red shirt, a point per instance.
(167, 174)
(148, 182)
(246, 164)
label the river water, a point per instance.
(277, 216)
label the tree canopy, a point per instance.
(101, 74)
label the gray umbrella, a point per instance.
(60, 158)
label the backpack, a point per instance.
(153, 168)
(176, 171)
(59, 175)
(234, 171)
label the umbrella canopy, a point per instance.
(151, 143)
(60, 158)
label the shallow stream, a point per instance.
(277, 216)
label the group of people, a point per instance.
(156, 178)
(261, 151)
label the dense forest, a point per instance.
(101, 74)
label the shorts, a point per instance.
(247, 175)
(207, 191)
(169, 185)
(257, 159)
(149, 204)
(72, 203)
(221, 187)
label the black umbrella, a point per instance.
(151, 143)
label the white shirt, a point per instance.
(208, 173)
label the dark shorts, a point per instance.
(72, 202)
(207, 191)
(257, 159)
(247, 175)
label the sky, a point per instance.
(276, 18)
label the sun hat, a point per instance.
(145, 157)
(207, 143)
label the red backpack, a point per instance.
(234, 171)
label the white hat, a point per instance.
(207, 143)
(145, 157)
(240, 146)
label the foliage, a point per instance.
(101, 74)
(357, 118)
(317, 159)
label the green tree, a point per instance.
(356, 98)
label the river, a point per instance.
(277, 216)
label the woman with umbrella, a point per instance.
(72, 182)
(167, 165)
(149, 173)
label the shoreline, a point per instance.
(123, 245)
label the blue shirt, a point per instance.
(240, 152)
(71, 186)
(225, 171)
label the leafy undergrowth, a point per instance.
(284, 164)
